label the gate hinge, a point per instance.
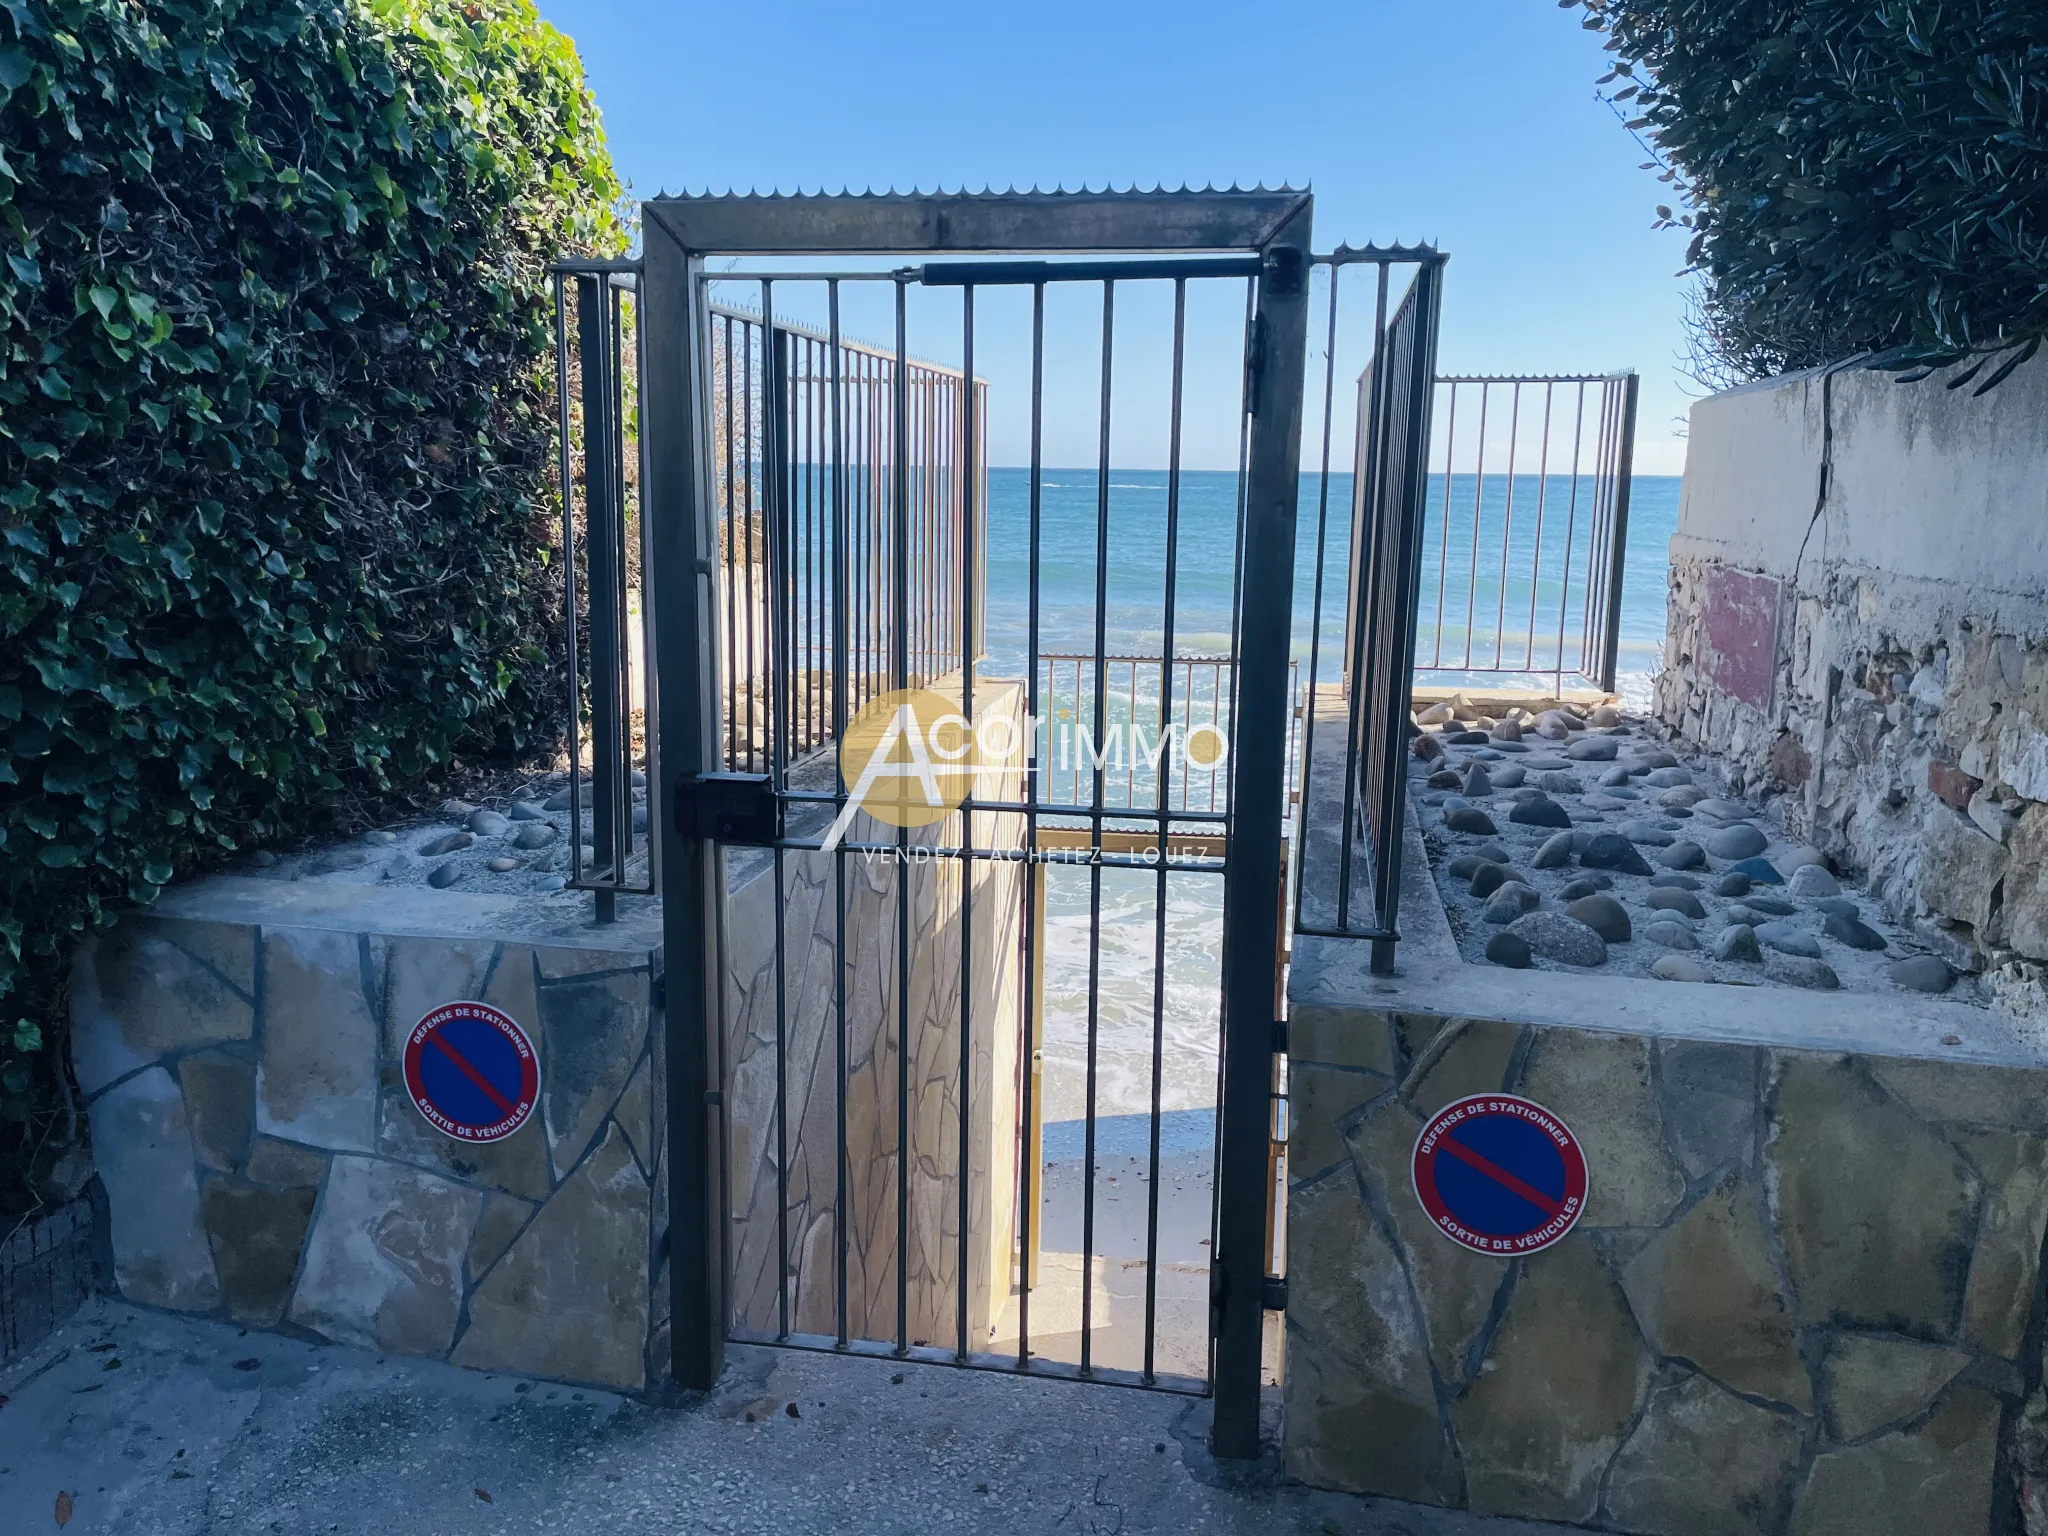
(1254, 365)
(1279, 1037)
(738, 808)
(1275, 1294)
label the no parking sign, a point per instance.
(472, 1071)
(1500, 1174)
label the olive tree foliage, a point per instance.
(1859, 176)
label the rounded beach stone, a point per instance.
(1648, 833)
(1605, 714)
(1737, 942)
(1490, 877)
(1507, 730)
(1610, 850)
(447, 842)
(1851, 931)
(1738, 841)
(488, 823)
(1810, 880)
(1555, 852)
(1464, 866)
(1671, 935)
(1426, 747)
(1492, 852)
(1603, 802)
(1506, 949)
(535, 834)
(1466, 818)
(1677, 968)
(1668, 778)
(456, 810)
(1444, 778)
(1558, 782)
(1604, 915)
(1500, 746)
(502, 865)
(1614, 776)
(1723, 809)
(444, 876)
(1683, 854)
(1760, 871)
(1557, 937)
(1675, 882)
(1788, 938)
(1839, 904)
(1465, 738)
(380, 837)
(1541, 811)
(1683, 798)
(1593, 749)
(551, 883)
(1509, 777)
(1476, 781)
(527, 810)
(1923, 973)
(1510, 902)
(558, 801)
(1804, 971)
(1666, 899)
(1771, 906)
(1651, 761)
(1734, 883)
(1790, 860)
(1585, 885)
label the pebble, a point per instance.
(1585, 885)
(1510, 902)
(456, 810)
(1510, 777)
(502, 865)
(1600, 802)
(1737, 942)
(1739, 841)
(535, 834)
(1540, 811)
(1680, 799)
(1723, 810)
(1850, 931)
(1923, 973)
(1641, 831)
(1555, 853)
(1651, 761)
(639, 779)
(1507, 730)
(1675, 882)
(551, 883)
(1557, 937)
(1839, 904)
(1798, 857)
(1788, 938)
(1463, 866)
(1668, 778)
(1614, 776)
(1678, 968)
(1810, 880)
(1593, 749)
(1425, 746)
(559, 800)
(1444, 778)
(526, 810)
(1734, 883)
(1491, 851)
(444, 876)
(380, 837)
(1466, 818)
(1604, 915)
(1667, 899)
(1490, 877)
(1508, 950)
(1559, 782)
(1546, 764)
(1775, 906)
(448, 842)
(1464, 738)
(1671, 935)
(1610, 850)
(1477, 782)
(1806, 971)
(1500, 746)
(489, 824)
(1683, 854)
(1605, 714)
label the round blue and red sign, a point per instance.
(472, 1072)
(1500, 1174)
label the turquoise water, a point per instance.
(1206, 556)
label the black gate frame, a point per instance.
(679, 234)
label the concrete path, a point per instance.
(143, 1424)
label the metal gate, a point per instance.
(867, 1004)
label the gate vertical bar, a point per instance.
(683, 591)
(1624, 474)
(603, 544)
(1251, 880)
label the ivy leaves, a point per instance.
(259, 259)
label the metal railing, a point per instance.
(1526, 528)
(835, 449)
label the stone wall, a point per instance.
(239, 1045)
(1871, 643)
(50, 1262)
(810, 1071)
(1804, 1296)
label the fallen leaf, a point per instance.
(481, 1494)
(250, 1364)
(180, 1475)
(791, 1411)
(113, 1364)
(101, 1348)
(63, 1508)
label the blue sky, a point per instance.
(1472, 123)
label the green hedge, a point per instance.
(275, 510)
(1861, 175)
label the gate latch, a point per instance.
(740, 808)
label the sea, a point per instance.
(1504, 586)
